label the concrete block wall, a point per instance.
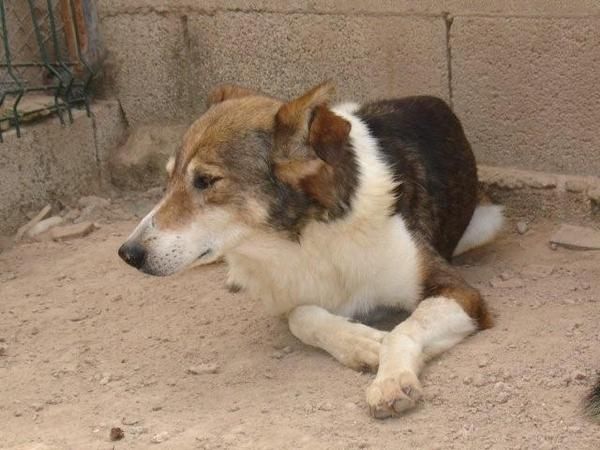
(55, 164)
(523, 75)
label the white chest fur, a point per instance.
(348, 266)
(345, 272)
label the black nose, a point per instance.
(133, 254)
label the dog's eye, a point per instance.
(204, 181)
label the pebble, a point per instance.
(579, 376)
(3, 349)
(325, 406)
(37, 407)
(77, 230)
(39, 217)
(129, 422)
(72, 214)
(575, 237)
(203, 369)
(116, 434)
(277, 354)
(44, 225)
(160, 437)
(467, 380)
(106, 378)
(522, 227)
(483, 362)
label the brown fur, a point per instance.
(442, 279)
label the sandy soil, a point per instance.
(87, 344)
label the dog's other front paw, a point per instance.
(391, 396)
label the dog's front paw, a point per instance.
(362, 354)
(391, 396)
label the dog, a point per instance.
(326, 213)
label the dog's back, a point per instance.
(424, 144)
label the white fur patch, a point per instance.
(346, 266)
(486, 223)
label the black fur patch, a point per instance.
(426, 148)
(291, 209)
(592, 402)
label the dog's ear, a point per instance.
(226, 92)
(309, 141)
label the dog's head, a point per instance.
(250, 165)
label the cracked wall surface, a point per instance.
(523, 76)
(55, 164)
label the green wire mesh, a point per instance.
(48, 54)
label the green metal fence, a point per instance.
(49, 55)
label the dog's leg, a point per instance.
(353, 344)
(451, 311)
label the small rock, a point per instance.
(72, 214)
(77, 230)
(203, 369)
(130, 421)
(106, 378)
(504, 276)
(18, 413)
(326, 406)
(277, 354)
(37, 407)
(522, 227)
(483, 362)
(160, 437)
(3, 349)
(468, 380)
(38, 218)
(502, 397)
(157, 408)
(116, 434)
(577, 238)
(79, 317)
(287, 349)
(579, 376)
(44, 225)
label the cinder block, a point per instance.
(147, 66)
(284, 54)
(527, 91)
(51, 163)
(552, 8)
(48, 163)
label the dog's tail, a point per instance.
(592, 403)
(486, 223)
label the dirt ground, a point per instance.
(87, 344)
